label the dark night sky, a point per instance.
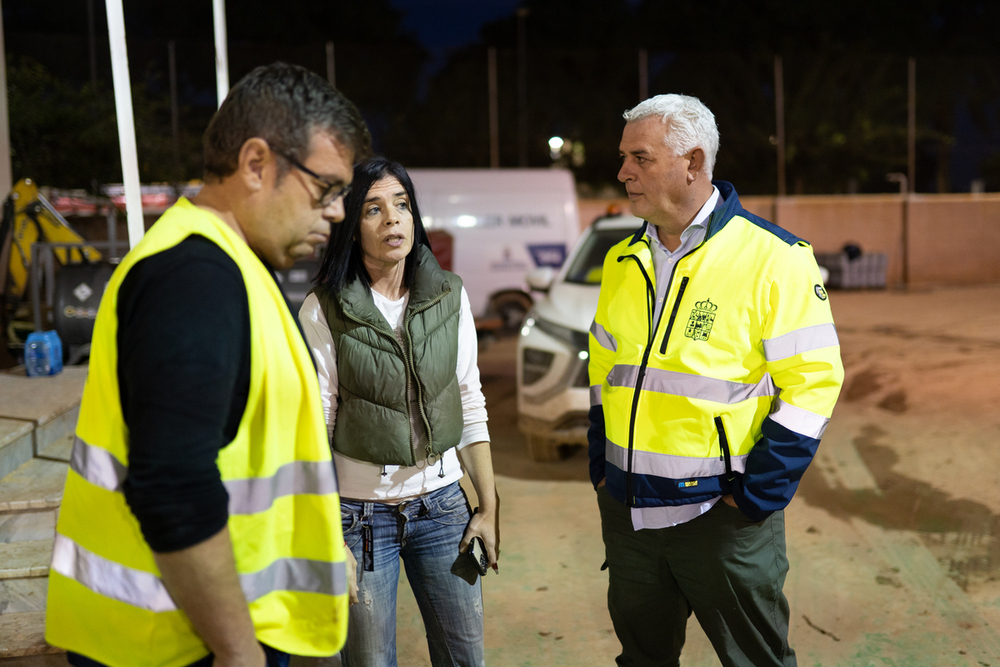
(441, 25)
(421, 67)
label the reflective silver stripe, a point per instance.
(97, 466)
(146, 590)
(296, 574)
(606, 340)
(801, 340)
(692, 386)
(595, 395)
(108, 578)
(257, 494)
(800, 421)
(246, 496)
(669, 465)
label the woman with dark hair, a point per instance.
(395, 347)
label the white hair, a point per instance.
(691, 124)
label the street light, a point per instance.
(556, 146)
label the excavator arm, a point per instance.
(34, 220)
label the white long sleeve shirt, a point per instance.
(360, 480)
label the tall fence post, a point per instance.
(92, 44)
(779, 117)
(522, 87)
(911, 125)
(6, 170)
(331, 65)
(643, 74)
(175, 122)
(904, 192)
(491, 67)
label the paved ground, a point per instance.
(892, 537)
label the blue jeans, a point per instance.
(425, 533)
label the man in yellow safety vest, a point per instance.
(201, 517)
(714, 369)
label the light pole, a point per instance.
(221, 50)
(126, 121)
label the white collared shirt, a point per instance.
(664, 263)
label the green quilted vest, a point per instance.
(373, 369)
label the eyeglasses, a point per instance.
(331, 191)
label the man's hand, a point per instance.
(203, 582)
(254, 658)
(352, 575)
(728, 499)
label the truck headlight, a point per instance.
(578, 340)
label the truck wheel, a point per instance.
(542, 449)
(511, 307)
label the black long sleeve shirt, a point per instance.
(184, 377)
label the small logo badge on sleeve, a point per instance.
(820, 292)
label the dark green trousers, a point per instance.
(725, 568)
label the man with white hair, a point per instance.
(715, 367)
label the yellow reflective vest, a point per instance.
(106, 599)
(732, 388)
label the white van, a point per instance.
(503, 223)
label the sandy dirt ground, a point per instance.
(892, 537)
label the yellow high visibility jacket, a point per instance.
(106, 599)
(731, 390)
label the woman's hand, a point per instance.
(352, 575)
(484, 525)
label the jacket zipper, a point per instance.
(413, 369)
(650, 298)
(673, 313)
(724, 444)
(402, 353)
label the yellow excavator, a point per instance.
(28, 218)
(32, 219)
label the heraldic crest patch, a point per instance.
(699, 326)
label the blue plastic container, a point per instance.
(43, 354)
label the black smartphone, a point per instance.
(477, 553)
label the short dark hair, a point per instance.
(343, 260)
(284, 105)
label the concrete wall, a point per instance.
(953, 239)
(873, 222)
